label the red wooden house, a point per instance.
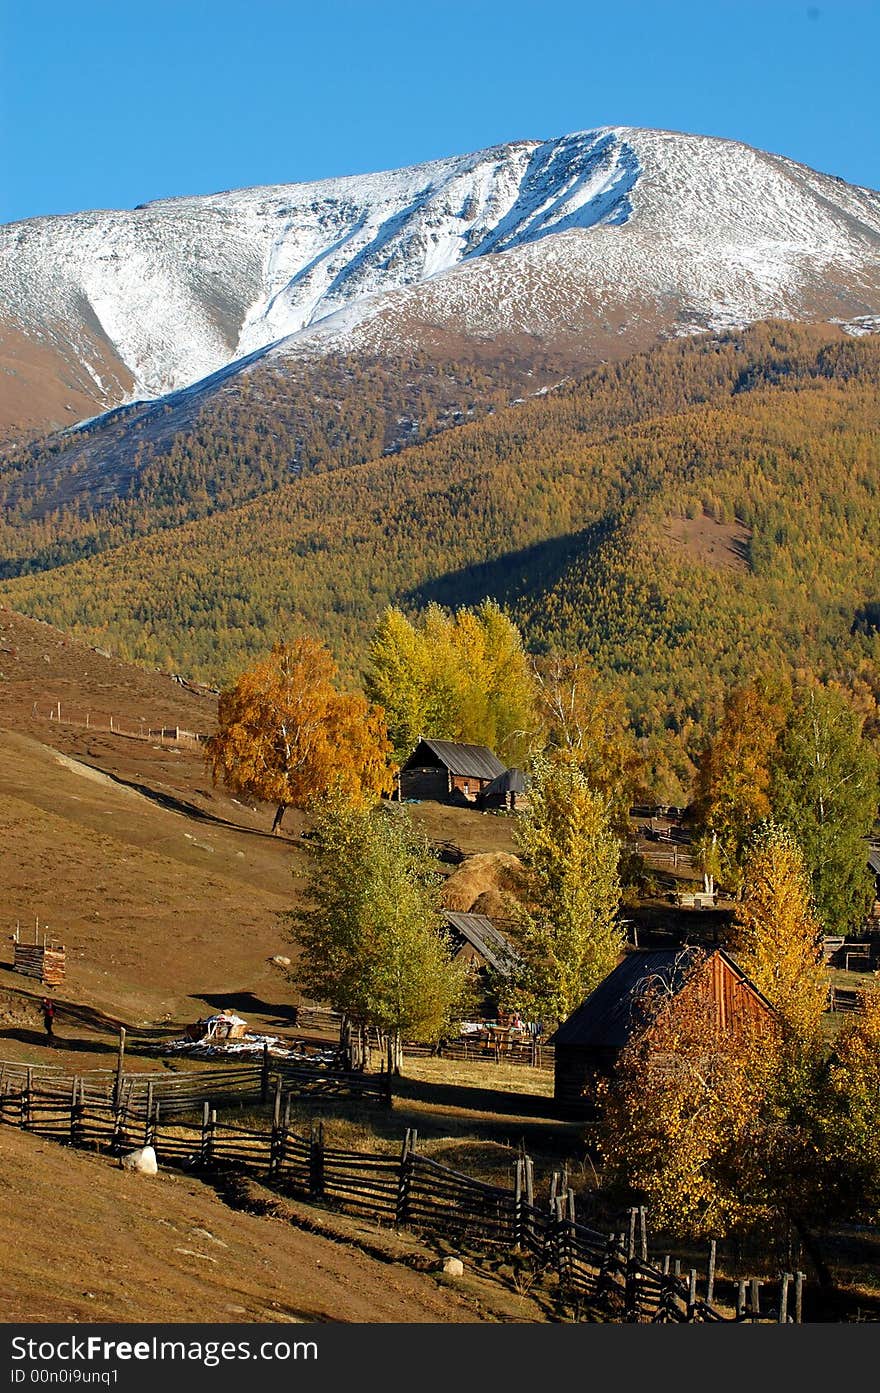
(589, 1044)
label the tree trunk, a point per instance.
(279, 814)
(814, 1252)
(395, 1052)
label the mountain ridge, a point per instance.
(597, 241)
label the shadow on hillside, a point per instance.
(530, 571)
(89, 1017)
(59, 1041)
(174, 804)
(279, 1014)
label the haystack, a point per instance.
(487, 883)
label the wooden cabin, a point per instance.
(589, 1044)
(444, 770)
(874, 868)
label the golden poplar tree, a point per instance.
(568, 934)
(585, 721)
(777, 937)
(732, 793)
(851, 1126)
(287, 736)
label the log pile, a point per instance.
(38, 960)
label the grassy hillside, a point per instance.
(686, 516)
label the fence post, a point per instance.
(692, 1295)
(275, 1134)
(316, 1159)
(154, 1130)
(710, 1273)
(26, 1099)
(282, 1140)
(643, 1233)
(756, 1298)
(559, 1227)
(518, 1204)
(120, 1061)
(73, 1088)
(631, 1244)
(798, 1297)
(785, 1282)
(149, 1114)
(264, 1076)
(404, 1178)
(529, 1185)
(741, 1300)
(205, 1143)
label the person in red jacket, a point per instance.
(48, 1018)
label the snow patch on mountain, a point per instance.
(593, 233)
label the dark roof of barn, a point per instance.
(874, 859)
(610, 1013)
(482, 935)
(466, 761)
(511, 781)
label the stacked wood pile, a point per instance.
(38, 960)
(609, 1276)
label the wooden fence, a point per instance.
(528, 1053)
(117, 725)
(498, 1050)
(186, 1092)
(846, 999)
(609, 1274)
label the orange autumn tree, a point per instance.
(287, 736)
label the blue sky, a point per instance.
(109, 103)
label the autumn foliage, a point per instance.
(567, 931)
(682, 1112)
(286, 735)
(777, 937)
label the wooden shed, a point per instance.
(477, 942)
(589, 1043)
(443, 769)
(508, 791)
(874, 868)
(44, 959)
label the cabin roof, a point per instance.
(482, 935)
(874, 859)
(511, 781)
(610, 1015)
(466, 761)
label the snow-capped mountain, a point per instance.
(615, 235)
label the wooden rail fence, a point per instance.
(610, 1274)
(528, 1052)
(137, 1094)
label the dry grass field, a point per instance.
(111, 1246)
